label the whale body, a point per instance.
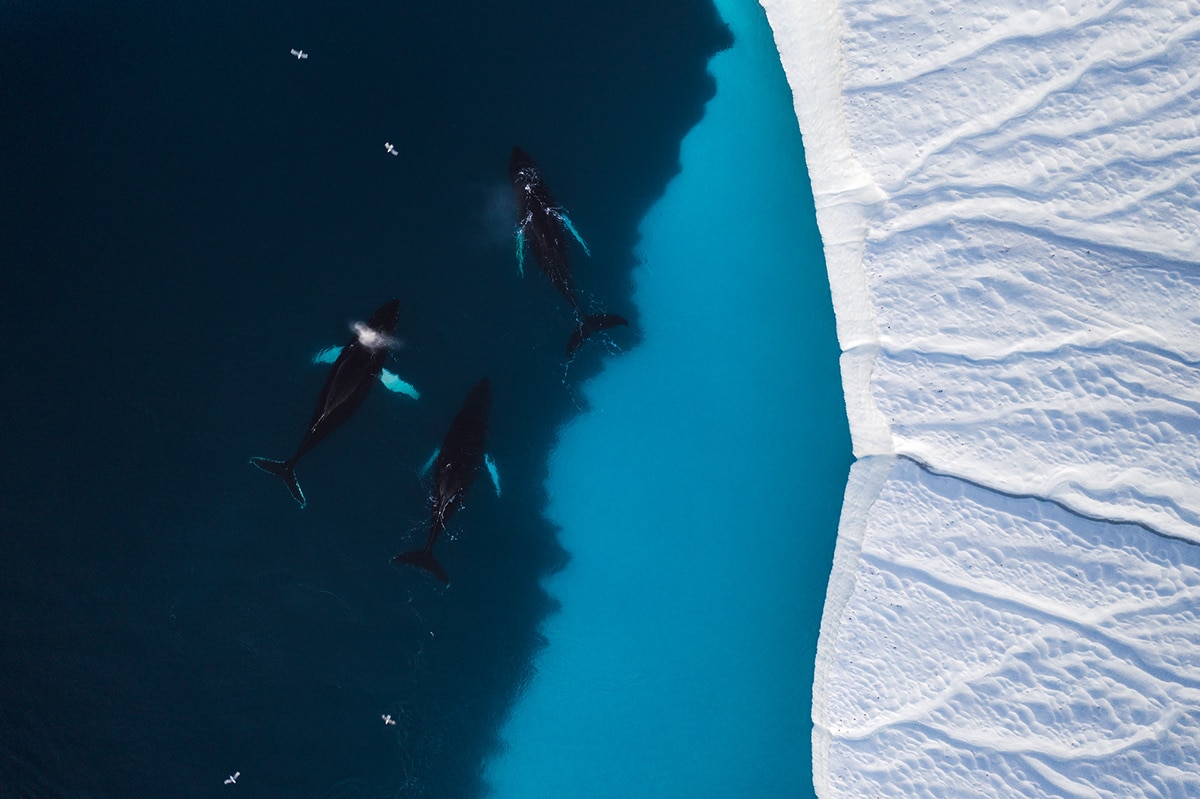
(358, 365)
(455, 467)
(545, 229)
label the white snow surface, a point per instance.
(1009, 197)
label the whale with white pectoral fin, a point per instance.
(355, 368)
(543, 227)
(454, 467)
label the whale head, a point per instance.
(378, 330)
(522, 171)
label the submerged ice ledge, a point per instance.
(1010, 204)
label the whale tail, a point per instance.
(285, 471)
(423, 559)
(589, 324)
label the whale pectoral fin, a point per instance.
(566, 220)
(327, 355)
(493, 472)
(521, 251)
(429, 463)
(392, 382)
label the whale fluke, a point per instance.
(285, 471)
(591, 324)
(423, 558)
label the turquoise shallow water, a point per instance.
(699, 497)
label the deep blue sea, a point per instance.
(188, 213)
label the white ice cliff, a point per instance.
(1009, 197)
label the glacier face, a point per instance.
(1010, 208)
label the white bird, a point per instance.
(232, 778)
(387, 719)
(299, 54)
(391, 148)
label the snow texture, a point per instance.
(1008, 197)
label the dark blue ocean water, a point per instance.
(187, 214)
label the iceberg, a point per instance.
(1009, 200)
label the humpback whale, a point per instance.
(543, 228)
(455, 465)
(357, 366)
